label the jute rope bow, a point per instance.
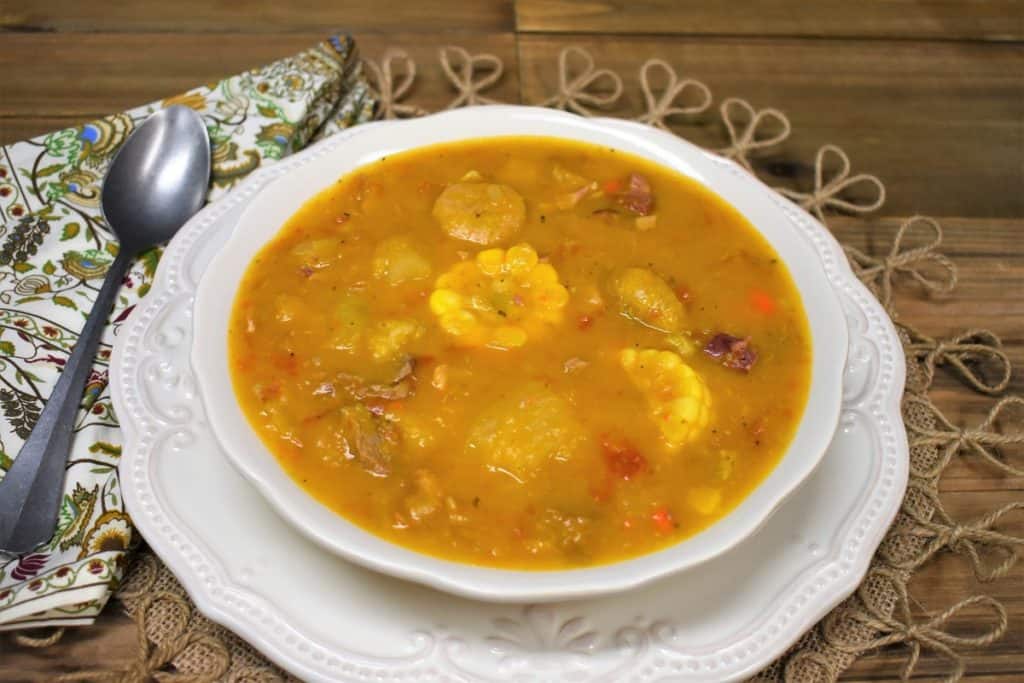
(743, 123)
(389, 94)
(964, 353)
(878, 273)
(971, 539)
(153, 657)
(26, 640)
(826, 194)
(951, 440)
(900, 627)
(462, 68)
(661, 107)
(576, 93)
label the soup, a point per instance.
(521, 352)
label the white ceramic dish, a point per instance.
(325, 619)
(798, 240)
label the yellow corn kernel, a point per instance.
(521, 258)
(490, 261)
(444, 300)
(703, 499)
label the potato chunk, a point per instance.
(644, 297)
(395, 260)
(482, 213)
(389, 338)
(679, 400)
(521, 433)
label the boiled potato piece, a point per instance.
(389, 338)
(677, 397)
(395, 260)
(482, 213)
(351, 318)
(521, 433)
(646, 298)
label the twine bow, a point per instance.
(662, 106)
(389, 93)
(460, 67)
(826, 194)
(151, 658)
(742, 123)
(576, 93)
(964, 353)
(26, 640)
(900, 627)
(951, 440)
(970, 539)
(878, 273)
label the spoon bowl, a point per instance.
(155, 183)
(148, 192)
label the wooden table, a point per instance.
(928, 95)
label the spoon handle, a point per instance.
(30, 493)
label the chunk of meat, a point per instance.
(644, 297)
(482, 213)
(402, 386)
(733, 352)
(371, 440)
(637, 196)
(425, 500)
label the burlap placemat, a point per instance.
(176, 643)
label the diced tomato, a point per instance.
(762, 301)
(622, 459)
(662, 519)
(584, 322)
(614, 186)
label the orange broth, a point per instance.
(616, 360)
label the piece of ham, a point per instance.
(733, 352)
(637, 197)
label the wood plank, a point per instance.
(107, 644)
(986, 20)
(942, 124)
(257, 16)
(101, 73)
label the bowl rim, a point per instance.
(815, 274)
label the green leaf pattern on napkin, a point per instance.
(55, 248)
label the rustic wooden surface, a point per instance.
(928, 95)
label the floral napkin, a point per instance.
(55, 248)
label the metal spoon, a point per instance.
(156, 182)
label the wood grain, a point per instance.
(942, 125)
(259, 16)
(927, 94)
(902, 19)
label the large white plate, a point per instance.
(325, 619)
